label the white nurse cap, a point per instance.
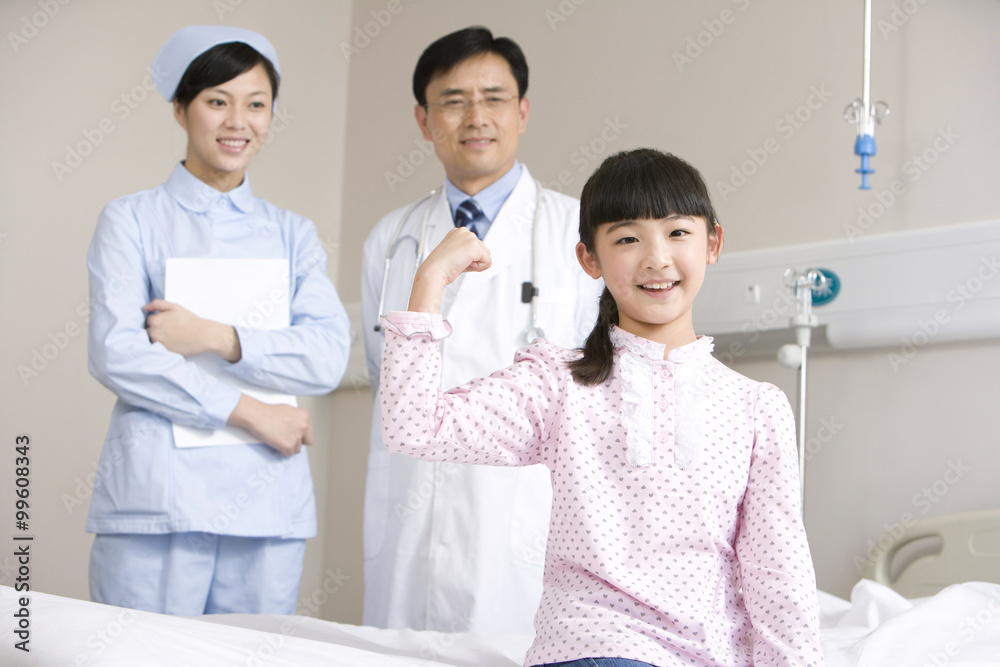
(188, 43)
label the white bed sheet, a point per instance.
(67, 632)
(959, 627)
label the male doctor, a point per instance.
(453, 547)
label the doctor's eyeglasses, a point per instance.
(460, 106)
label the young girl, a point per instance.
(675, 536)
(206, 529)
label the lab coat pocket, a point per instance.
(532, 503)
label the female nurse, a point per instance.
(206, 529)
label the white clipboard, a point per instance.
(253, 293)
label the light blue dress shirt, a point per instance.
(490, 198)
(145, 484)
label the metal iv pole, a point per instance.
(804, 284)
(860, 112)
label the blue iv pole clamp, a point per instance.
(862, 113)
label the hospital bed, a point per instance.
(930, 554)
(877, 627)
(958, 625)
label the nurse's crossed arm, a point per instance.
(284, 428)
(181, 331)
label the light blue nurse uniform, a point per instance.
(184, 504)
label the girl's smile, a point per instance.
(654, 269)
(658, 287)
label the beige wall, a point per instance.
(602, 80)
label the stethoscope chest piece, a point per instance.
(532, 333)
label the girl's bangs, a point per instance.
(643, 184)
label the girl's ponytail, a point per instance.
(598, 359)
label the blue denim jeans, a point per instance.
(599, 662)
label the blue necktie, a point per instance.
(468, 214)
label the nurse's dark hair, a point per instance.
(452, 49)
(221, 63)
(640, 184)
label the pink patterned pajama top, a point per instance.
(675, 535)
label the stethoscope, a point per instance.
(529, 290)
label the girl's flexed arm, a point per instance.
(458, 252)
(507, 419)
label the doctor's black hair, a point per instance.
(641, 184)
(452, 49)
(221, 63)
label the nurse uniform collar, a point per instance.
(188, 43)
(529, 290)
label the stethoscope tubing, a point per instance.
(391, 248)
(533, 331)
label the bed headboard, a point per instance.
(969, 551)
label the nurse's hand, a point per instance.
(181, 331)
(282, 427)
(460, 251)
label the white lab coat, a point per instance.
(453, 547)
